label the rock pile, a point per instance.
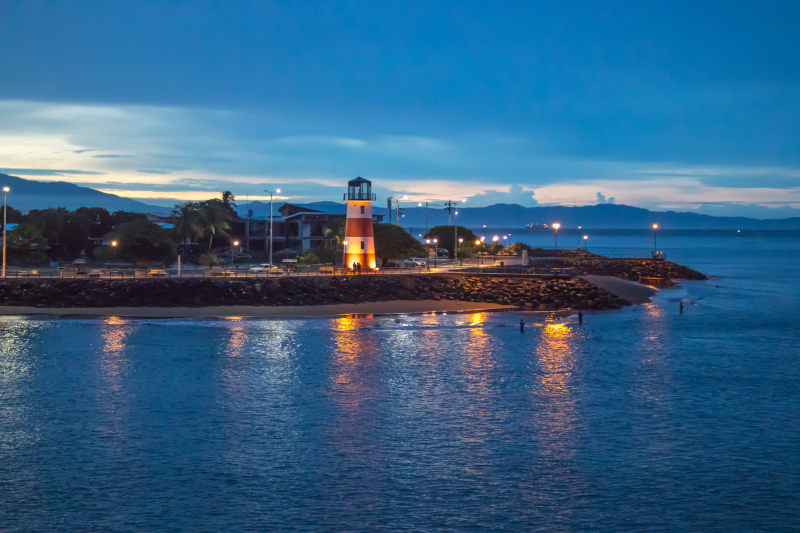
(525, 292)
(644, 270)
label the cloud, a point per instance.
(47, 172)
(601, 199)
(516, 194)
(191, 150)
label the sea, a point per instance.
(640, 419)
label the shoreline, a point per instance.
(269, 311)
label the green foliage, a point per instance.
(141, 240)
(26, 244)
(208, 259)
(446, 237)
(393, 242)
(100, 220)
(308, 258)
(517, 247)
(13, 216)
(66, 232)
(203, 220)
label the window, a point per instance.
(362, 245)
(362, 209)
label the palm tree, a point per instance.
(216, 220)
(228, 198)
(188, 222)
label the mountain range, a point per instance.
(30, 194)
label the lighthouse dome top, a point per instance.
(359, 190)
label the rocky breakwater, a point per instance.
(648, 271)
(524, 292)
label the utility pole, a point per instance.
(5, 229)
(277, 191)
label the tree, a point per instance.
(143, 241)
(445, 235)
(517, 247)
(13, 216)
(228, 198)
(393, 242)
(100, 220)
(26, 244)
(67, 233)
(216, 217)
(188, 223)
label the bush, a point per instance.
(208, 259)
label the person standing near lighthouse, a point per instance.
(359, 243)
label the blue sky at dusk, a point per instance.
(666, 105)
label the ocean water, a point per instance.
(639, 419)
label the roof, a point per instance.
(359, 180)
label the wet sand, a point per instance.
(283, 311)
(632, 291)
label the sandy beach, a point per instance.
(283, 311)
(632, 291)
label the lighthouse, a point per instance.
(359, 244)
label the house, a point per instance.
(296, 226)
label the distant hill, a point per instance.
(605, 216)
(30, 194)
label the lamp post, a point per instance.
(5, 206)
(655, 243)
(234, 244)
(555, 226)
(585, 241)
(277, 191)
(344, 254)
(579, 236)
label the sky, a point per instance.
(665, 105)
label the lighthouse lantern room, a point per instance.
(359, 243)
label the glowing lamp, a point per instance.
(114, 243)
(344, 242)
(585, 237)
(236, 243)
(427, 241)
(6, 189)
(277, 191)
(655, 226)
(556, 225)
(496, 238)
(461, 240)
(477, 242)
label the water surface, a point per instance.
(636, 419)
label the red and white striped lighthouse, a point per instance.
(359, 243)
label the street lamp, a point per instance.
(344, 254)
(655, 230)
(5, 204)
(435, 251)
(555, 226)
(114, 244)
(234, 244)
(585, 241)
(579, 236)
(277, 191)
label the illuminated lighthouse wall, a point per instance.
(360, 243)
